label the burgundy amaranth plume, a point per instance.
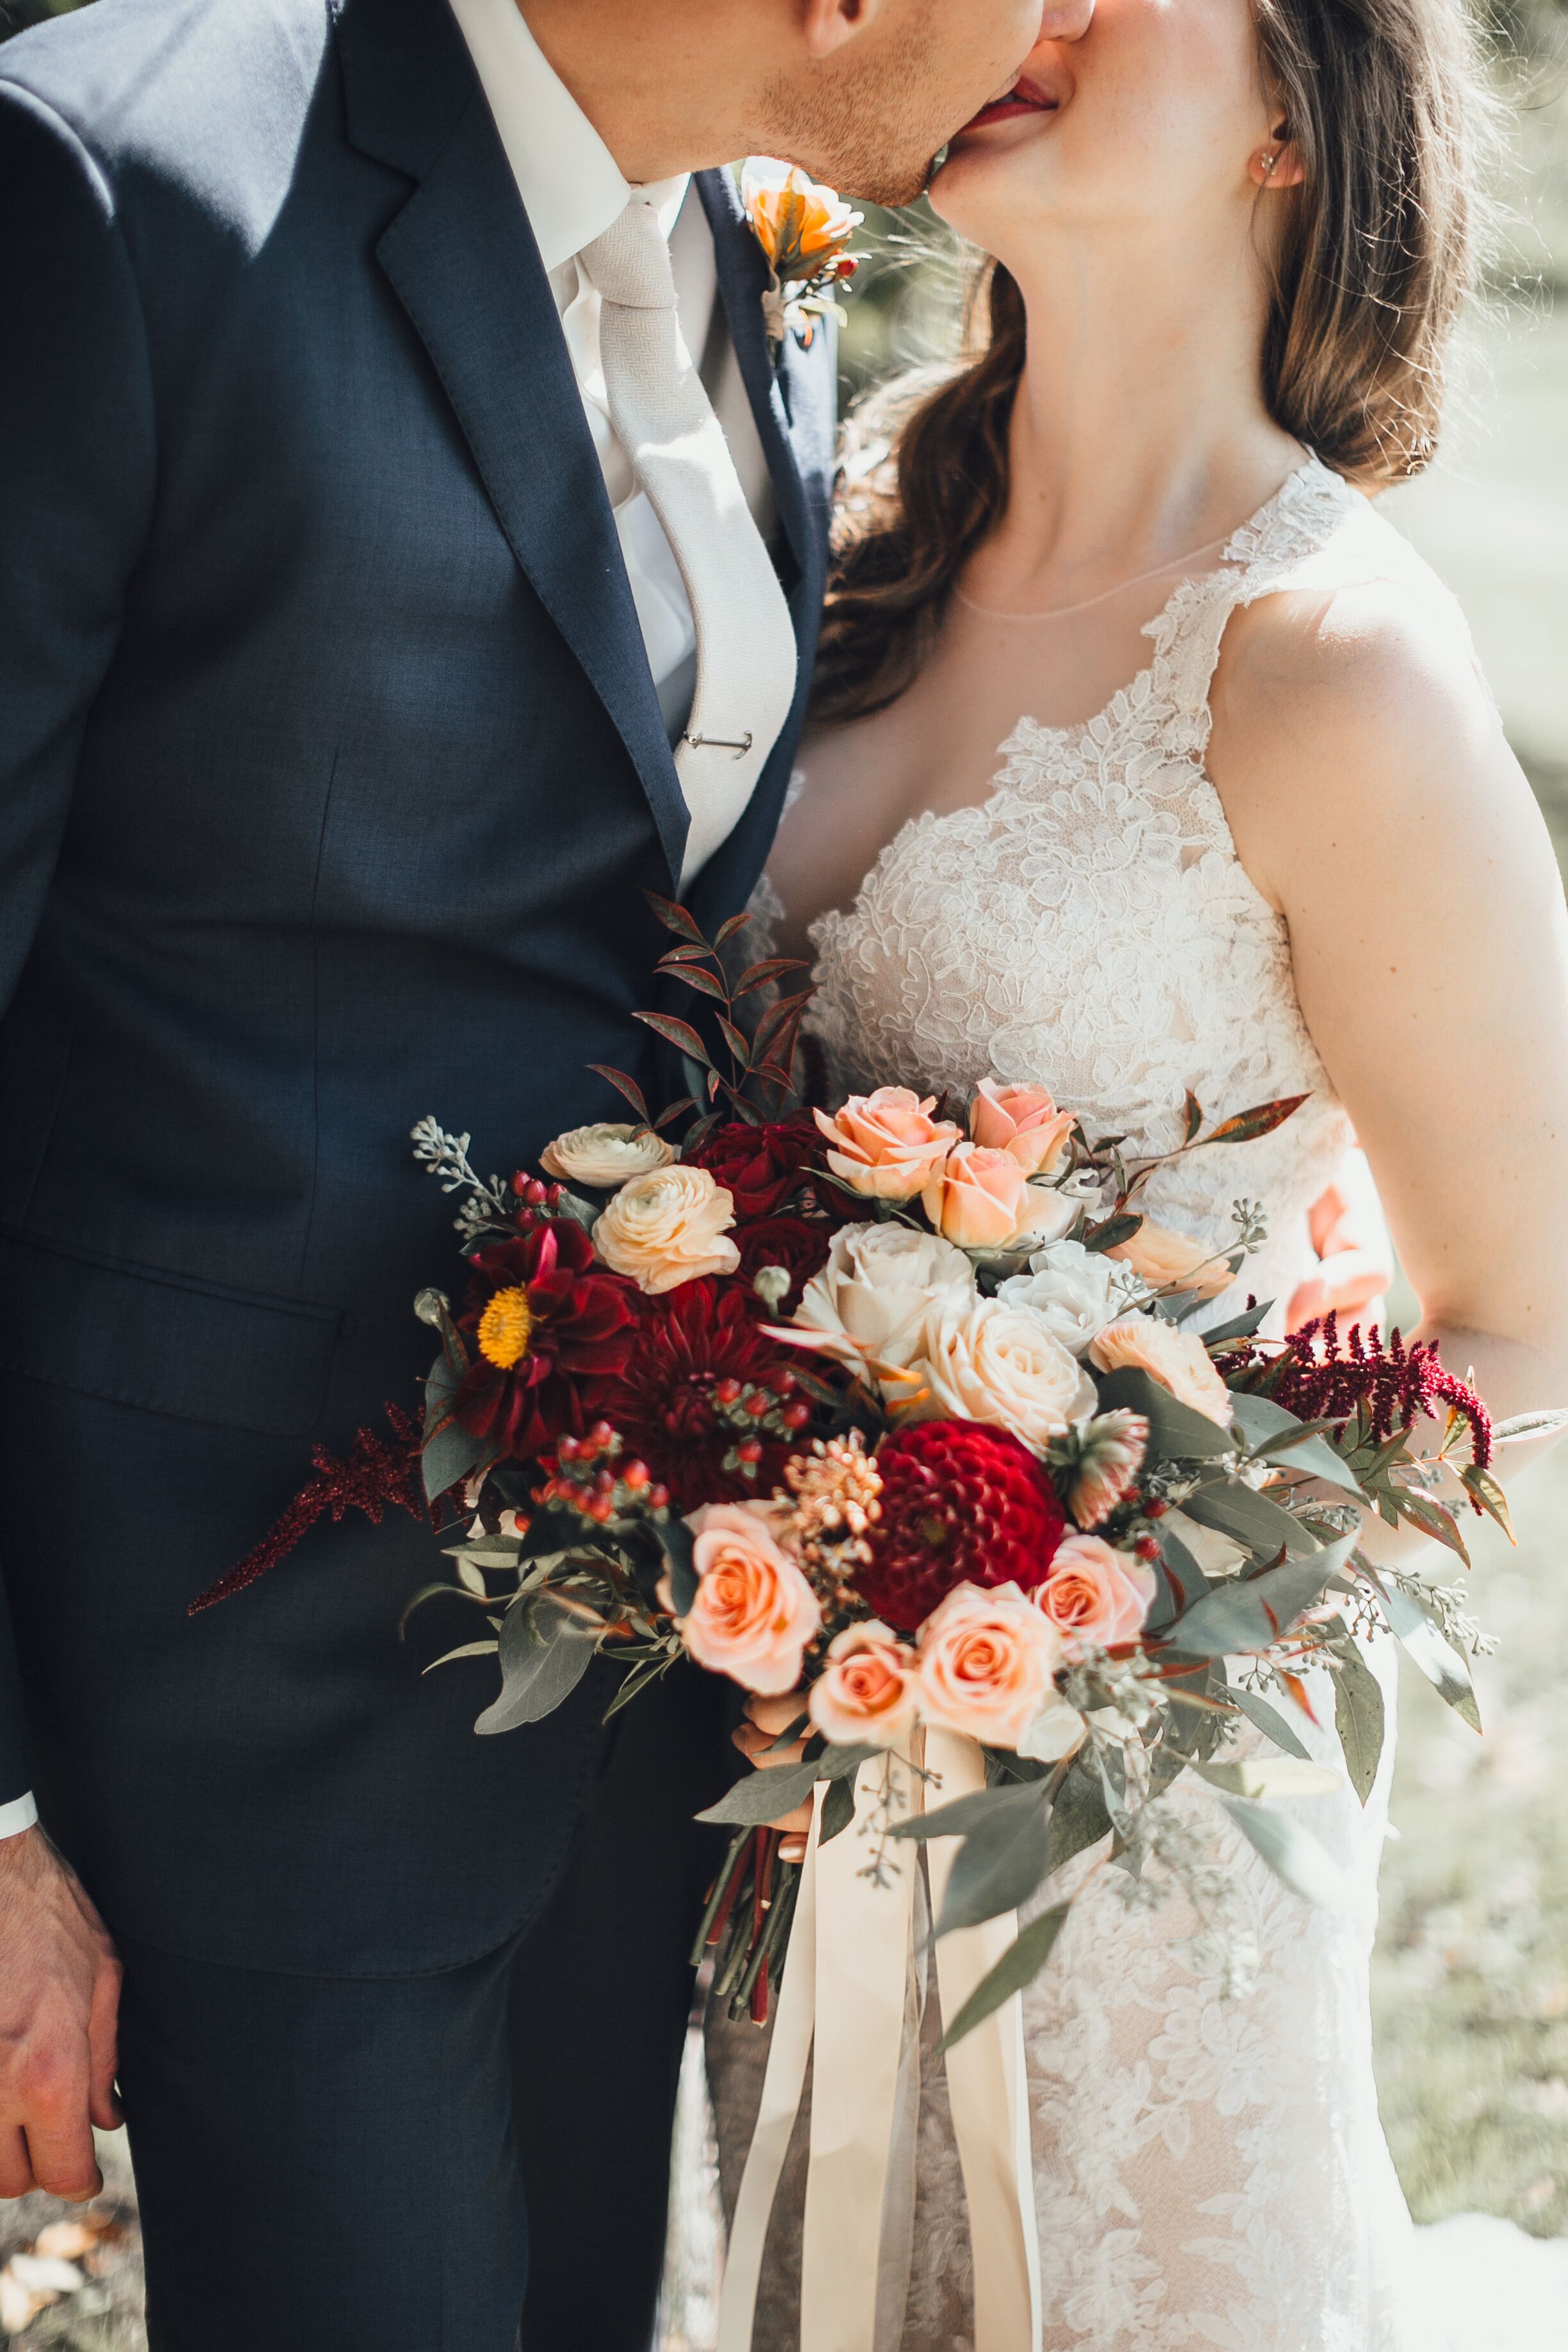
(376, 1478)
(1321, 1377)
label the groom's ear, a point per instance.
(827, 25)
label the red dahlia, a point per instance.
(961, 1503)
(549, 1330)
(759, 1167)
(666, 1404)
(795, 1243)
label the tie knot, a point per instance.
(630, 264)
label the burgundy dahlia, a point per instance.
(961, 1503)
(796, 1243)
(759, 1167)
(549, 1329)
(679, 1402)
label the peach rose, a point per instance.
(885, 1145)
(870, 1691)
(667, 1227)
(606, 1155)
(1177, 1359)
(1168, 1260)
(982, 1200)
(1095, 1597)
(754, 1612)
(987, 1663)
(1004, 1365)
(1023, 1122)
(797, 220)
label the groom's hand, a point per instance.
(765, 1719)
(59, 2001)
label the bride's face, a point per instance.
(1155, 116)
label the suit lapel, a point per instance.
(461, 257)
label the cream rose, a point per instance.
(982, 1200)
(870, 1690)
(605, 1156)
(1177, 1359)
(884, 1145)
(1001, 1364)
(1093, 1596)
(754, 1612)
(1071, 1287)
(667, 1227)
(988, 1660)
(1170, 1261)
(1022, 1122)
(879, 1284)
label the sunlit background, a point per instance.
(1471, 1977)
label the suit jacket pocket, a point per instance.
(165, 1342)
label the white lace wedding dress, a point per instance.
(1209, 2172)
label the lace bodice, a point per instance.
(1089, 927)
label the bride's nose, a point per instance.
(1066, 20)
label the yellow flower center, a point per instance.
(505, 1328)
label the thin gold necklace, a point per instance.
(1064, 611)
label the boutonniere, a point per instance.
(804, 229)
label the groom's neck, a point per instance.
(669, 87)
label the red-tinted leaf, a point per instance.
(713, 1084)
(737, 1040)
(679, 1034)
(727, 931)
(701, 1130)
(1432, 1519)
(704, 982)
(673, 957)
(785, 1015)
(1194, 1117)
(674, 918)
(1484, 1489)
(760, 975)
(1248, 1125)
(623, 1085)
(674, 1111)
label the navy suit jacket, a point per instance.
(331, 777)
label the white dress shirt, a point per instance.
(572, 190)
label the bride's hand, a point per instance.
(765, 1718)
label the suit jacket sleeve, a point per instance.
(76, 490)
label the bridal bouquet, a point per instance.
(911, 1413)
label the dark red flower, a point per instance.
(961, 1503)
(666, 1404)
(795, 1243)
(549, 1330)
(759, 1167)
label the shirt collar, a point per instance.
(571, 187)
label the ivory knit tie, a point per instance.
(744, 641)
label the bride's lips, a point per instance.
(1024, 98)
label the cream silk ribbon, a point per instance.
(851, 1952)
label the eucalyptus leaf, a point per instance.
(964, 1814)
(1250, 1519)
(1291, 1852)
(838, 1810)
(1001, 1864)
(1179, 1582)
(1427, 1647)
(1254, 1612)
(678, 1544)
(777, 1789)
(1262, 1422)
(546, 1650)
(1177, 1434)
(1079, 1817)
(464, 1650)
(495, 1551)
(1521, 1425)
(1018, 1966)
(1268, 1776)
(449, 1452)
(1358, 1718)
(1268, 1720)
(1240, 1327)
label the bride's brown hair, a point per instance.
(1374, 257)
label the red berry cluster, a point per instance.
(590, 1474)
(757, 1410)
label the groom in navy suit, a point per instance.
(361, 667)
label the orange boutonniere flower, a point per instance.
(804, 229)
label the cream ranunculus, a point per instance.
(1001, 1364)
(1094, 1596)
(754, 1612)
(1073, 1288)
(1023, 1122)
(1172, 1261)
(668, 1227)
(605, 1156)
(984, 1669)
(879, 1284)
(869, 1690)
(1177, 1359)
(885, 1144)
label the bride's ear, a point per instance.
(1278, 164)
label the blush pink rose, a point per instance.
(754, 1612)
(1177, 1359)
(987, 1663)
(1172, 1261)
(885, 1145)
(1022, 1122)
(981, 1198)
(1095, 1597)
(870, 1692)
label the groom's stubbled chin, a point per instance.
(1012, 107)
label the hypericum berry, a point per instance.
(727, 1392)
(568, 1448)
(636, 1476)
(602, 1433)
(1156, 1507)
(658, 1497)
(1147, 1548)
(759, 1404)
(520, 1183)
(796, 1415)
(750, 1449)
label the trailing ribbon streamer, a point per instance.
(845, 1986)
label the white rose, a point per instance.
(607, 1155)
(1057, 1731)
(1072, 1287)
(880, 1284)
(1002, 1364)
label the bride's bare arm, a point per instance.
(1374, 801)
